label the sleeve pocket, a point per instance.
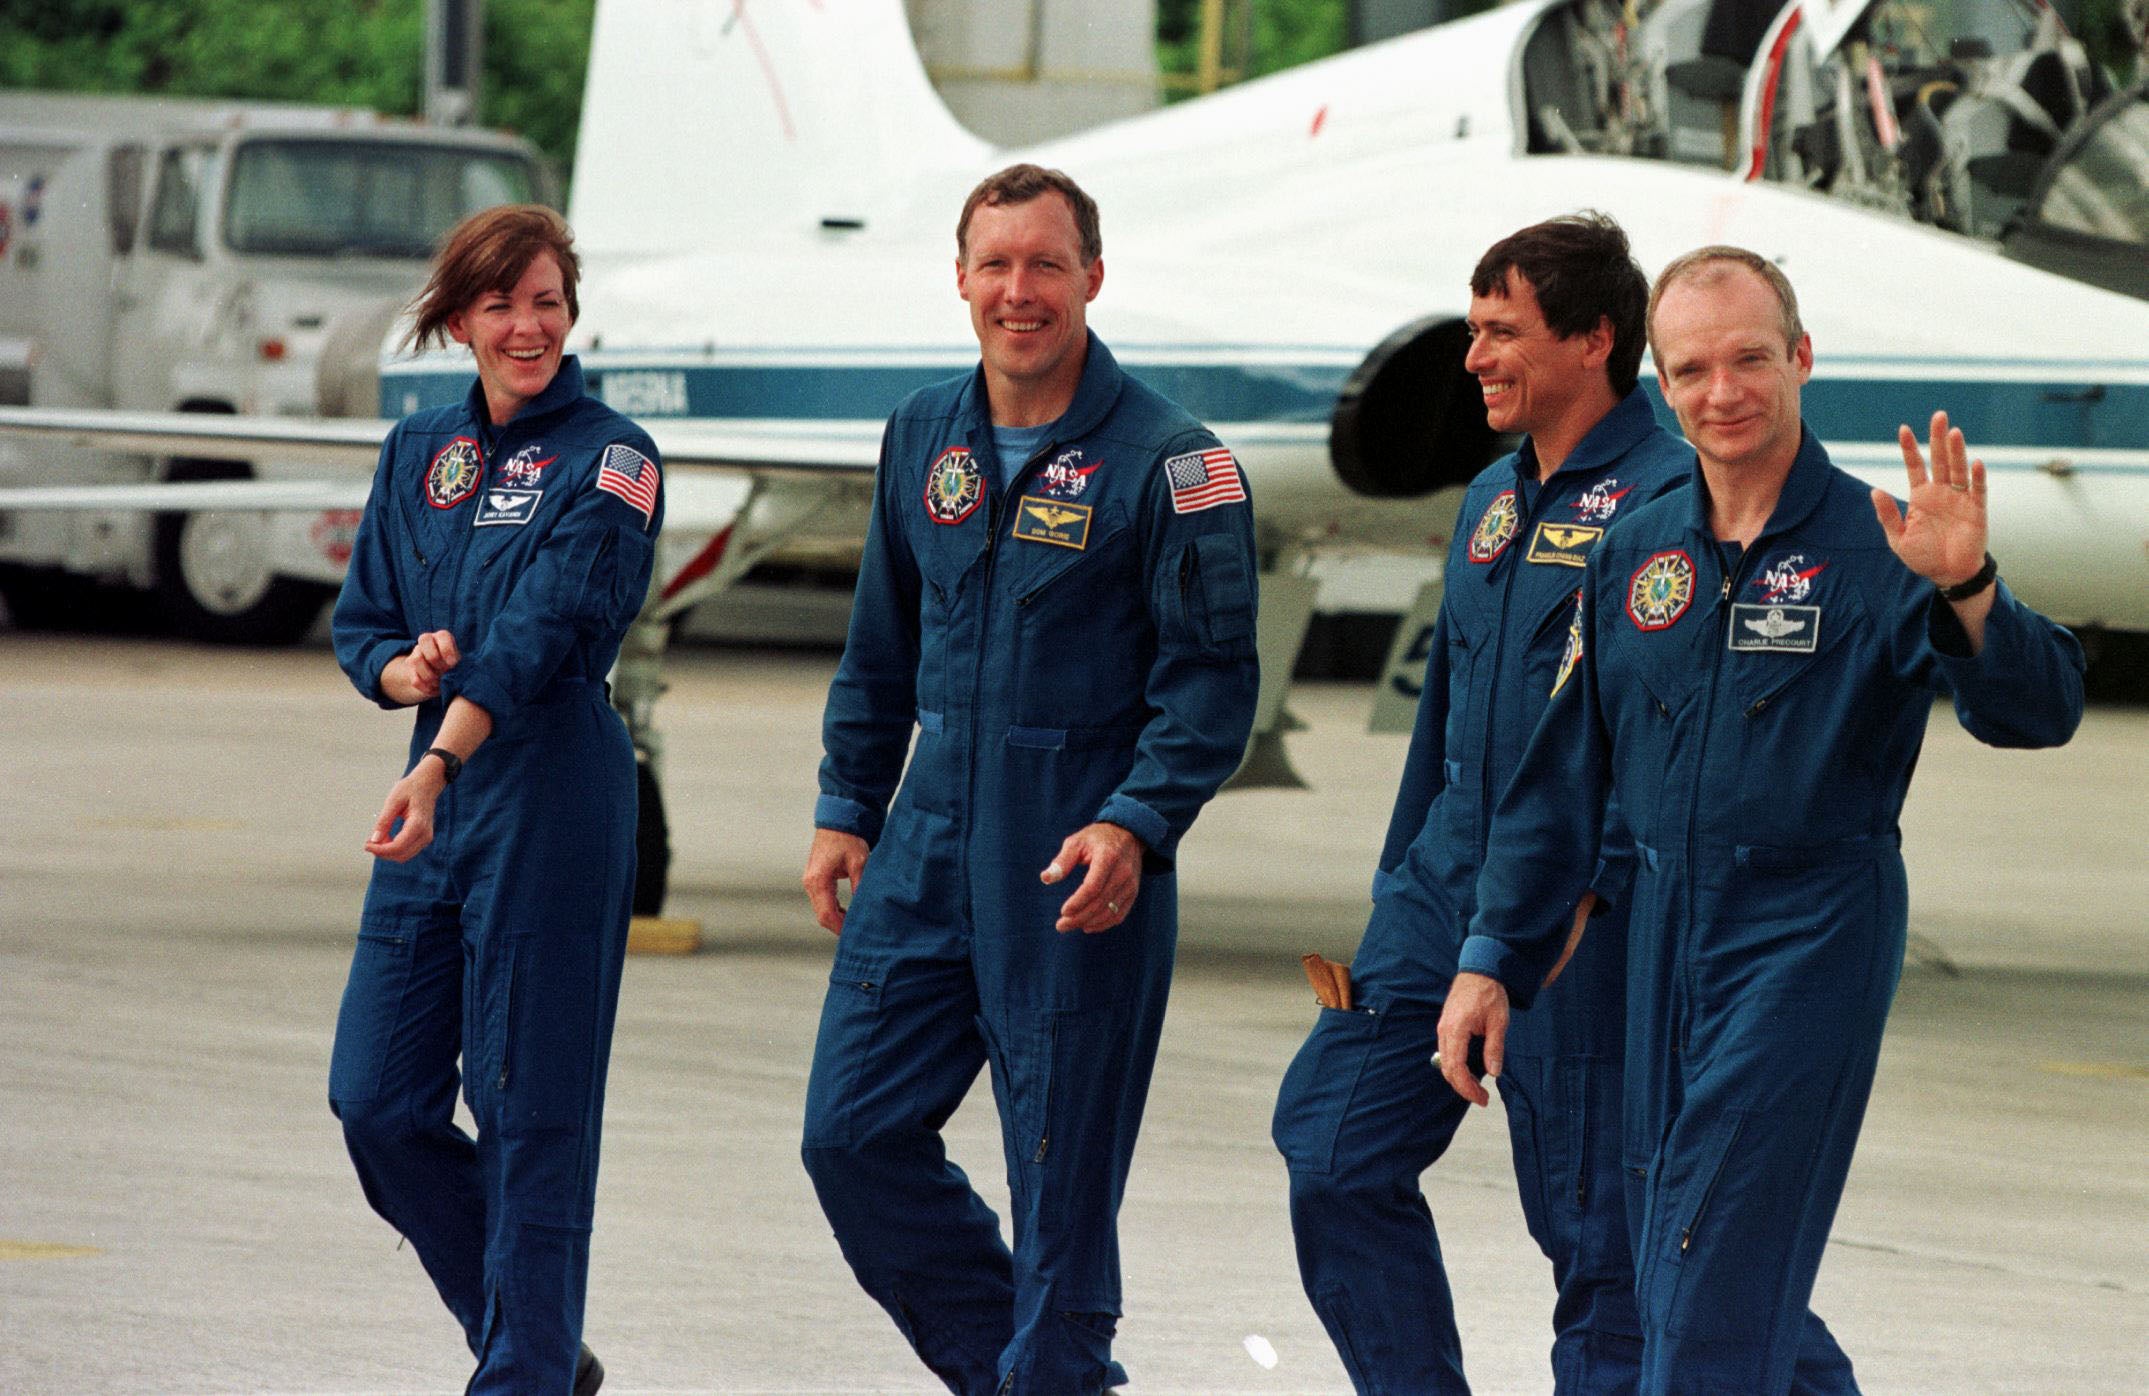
(1220, 591)
(606, 578)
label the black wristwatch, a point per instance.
(1972, 585)
(450, 763)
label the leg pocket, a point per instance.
(541, 1015)
(373, 1006)
(1319, 1086)
(850, 1022)
(1726, 1243)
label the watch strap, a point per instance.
(1973, 584)
(451, 765)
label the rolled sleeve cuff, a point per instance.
(2006, 638)
(481, 689)
(1489, 957)
(375, 662)
(1615, 874)
(1155, 832)
(847, 816)
(1382, 881)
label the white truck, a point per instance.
(191, 256)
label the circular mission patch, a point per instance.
(1662, 589)
(954, 486)
(453, 477)
(1496, 528)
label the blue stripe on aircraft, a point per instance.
(2054, 414)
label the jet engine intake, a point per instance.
(1409, 420)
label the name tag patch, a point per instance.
(1775, 629)
(507, 507)
(1565, 545)
(1050, 521)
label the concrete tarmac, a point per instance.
(180, 874)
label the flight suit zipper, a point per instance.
(977, 662)
(1680, 1041)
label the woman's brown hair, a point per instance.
(489, 252)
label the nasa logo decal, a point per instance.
(953, 487)
(1600, 501)
(453, 476)
(1496, 528)
(1662, 589)
(1787, 576)
(524, 469)
(1066, 477)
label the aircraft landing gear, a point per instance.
(652, 843)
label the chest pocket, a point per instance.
(1773, 659)
(1064, 583)
(1083, 642)
(1662, 669)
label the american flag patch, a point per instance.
(632, 476)
(1204, 479)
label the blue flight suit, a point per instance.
(1757, 713)
(501, 941)
(1077, 647)
(1363, 1112)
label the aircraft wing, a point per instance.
(692, 449)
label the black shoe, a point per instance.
(589, 1373)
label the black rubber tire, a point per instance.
(652, 844)
(51, 599)
(281, 614)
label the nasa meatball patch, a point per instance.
(453, 475)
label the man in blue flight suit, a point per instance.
(506, 546)
(1752, 677)
(1556, 320)
(1057, 594)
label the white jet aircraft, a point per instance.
(767, 194)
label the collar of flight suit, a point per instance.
(1094, 397)
(1802, 491)
(564, 390)
(1617, 432)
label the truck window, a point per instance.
(174, 220)
(323, 198)
(124, 206)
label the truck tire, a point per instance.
(50, 599)
(652, 844)
(213, 577)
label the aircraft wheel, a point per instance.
(652, 844)
(214, 581)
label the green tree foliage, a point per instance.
(1260, 36)
(2108, 33)
(536, 57)
(367, 53)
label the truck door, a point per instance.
(161, 300)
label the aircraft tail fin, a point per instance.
(712, 123)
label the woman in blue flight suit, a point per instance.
(507, 544)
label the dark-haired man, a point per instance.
(1756, 663)
(1057, 596)
(1556, 321)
